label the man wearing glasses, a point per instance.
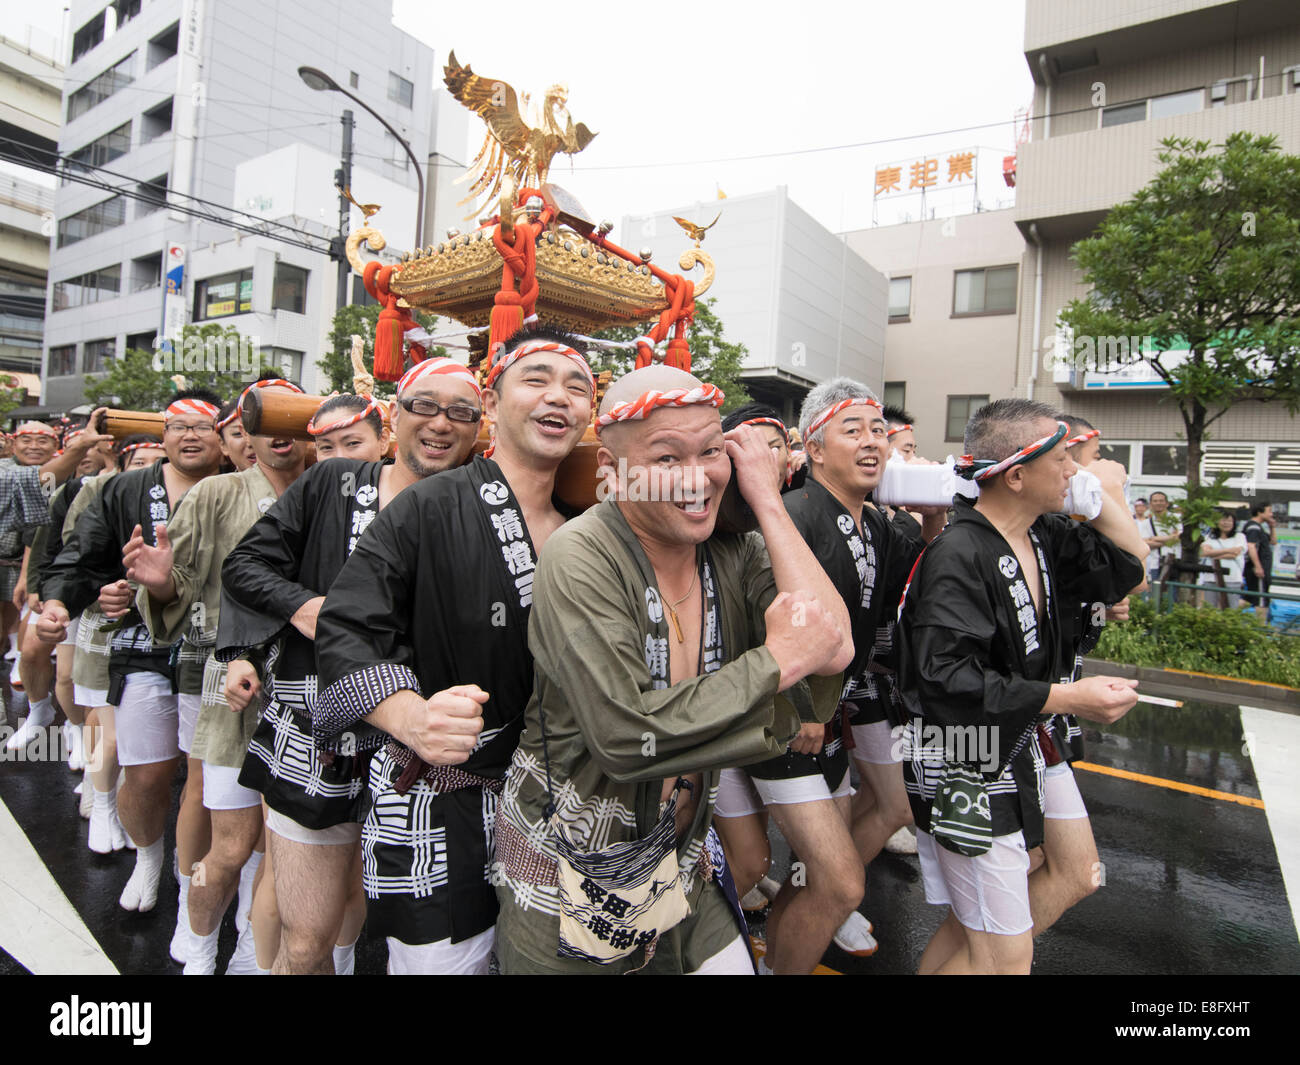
(424, 638)
(149, 726)
(273, 586)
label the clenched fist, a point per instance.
(242, 685)
(801, 634)
(52, 625)
(444, 730)
(115, 599)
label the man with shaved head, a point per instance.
(659, 648)
(423, 657)
(981, 668)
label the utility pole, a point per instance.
(343, 179)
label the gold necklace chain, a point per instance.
(672, 612)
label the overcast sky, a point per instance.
(686, 85)
(700, 87)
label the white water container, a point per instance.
(916, 484)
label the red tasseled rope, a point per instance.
(393, 322)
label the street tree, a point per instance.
(354, 318)
(713, 358)
(1201, 264)
(206, 356)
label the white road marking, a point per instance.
(1273, 743)
(38, 925)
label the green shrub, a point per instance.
(1229, 643)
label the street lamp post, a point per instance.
(322, 82)
(343, 179)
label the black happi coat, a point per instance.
(1082, 628)
(290, 555)
(48, 541)
(869, 584)
(967, 659)
(438, 594)
(92, 557)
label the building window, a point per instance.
(126, 10)
(105, 215)
(353, 80)
(1284, 463)
(1122, 114)
(156, 121)
(360, 296)
(86, 38)
(63, 361)
(220, 297)
(151, 196)
(960, 411)
(1177, 103)
(400, 91)
(98, 352)
(1233, 459)
(285, 360)
(900, 298)
(1164, 460)
(988, 291)
(394, 152)
(103, 150)
(289, 292)
(100, 88)
(164, 46)
(895, 394)
(88, 288)
(146, 273)
(1121, 453)
(141, 341)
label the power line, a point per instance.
(868, 143)
(79, 173)
(160, 200)
(743, 158)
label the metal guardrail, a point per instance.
(1291, 627)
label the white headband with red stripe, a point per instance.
(898, 429)
(648, 402)
(1083, 438)
(136, 447)
(537, 347)
(181, 407)
(834, 409)
(36, 429)
(345, 420)
(447, 367)
(776, 423)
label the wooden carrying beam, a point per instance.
(285, 414)
(120, 424)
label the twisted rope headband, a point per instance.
(647, 403)
(834, 409)
(982, 469)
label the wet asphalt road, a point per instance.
(1192, 884)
